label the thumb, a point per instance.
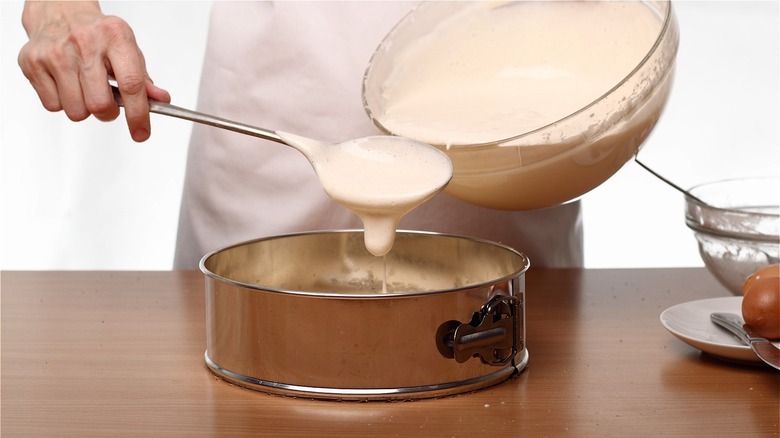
(156, 93)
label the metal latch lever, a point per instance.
(491, 335)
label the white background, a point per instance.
(84, 196)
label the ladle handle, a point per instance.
(206, 119)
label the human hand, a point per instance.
(73, 51)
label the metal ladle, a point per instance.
(305, 146)
(379, 178)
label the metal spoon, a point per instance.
(764, 349)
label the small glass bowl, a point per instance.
(737, 226)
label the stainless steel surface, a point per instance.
(206, 119)
(306, 315)
(762, 347)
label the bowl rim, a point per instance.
(691, 199)
(209, 274)
(697, 205)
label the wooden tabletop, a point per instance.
(121, 354)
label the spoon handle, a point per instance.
(667, 181)
(206, 119)
(733, 324)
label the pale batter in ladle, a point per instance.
(379, 178)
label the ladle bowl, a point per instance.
(555, 163)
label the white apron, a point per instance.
(298, 67)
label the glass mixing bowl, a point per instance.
(555, 163)
(737, 226)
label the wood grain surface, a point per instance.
(121, 354)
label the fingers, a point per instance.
(38, 75)
(126, 63)
(96, 91)
(51, 59)
(156, 93)
(53, 73)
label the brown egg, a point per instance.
(761, 307)
(766, 271)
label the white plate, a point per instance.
(691, 323)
